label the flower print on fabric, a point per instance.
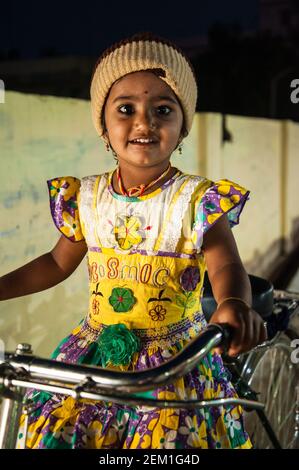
(158, 312)
(65, 187)
(195, 434)
(71, 228)
(189, 279)
(169, 440)
(233, 424)
(117, 345)
(186, 300)
(121, 422)
(223, 197)
(128, 230)
(95, 304)
(64, 206)
(65, 434)
(122, 299)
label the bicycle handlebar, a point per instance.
(95, 383)
(130, 381)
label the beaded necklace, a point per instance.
(138, 190)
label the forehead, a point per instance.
(143, 82)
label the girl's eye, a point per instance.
(125, 106)
(128, 109)
(165, 108)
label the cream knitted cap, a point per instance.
(144, 51)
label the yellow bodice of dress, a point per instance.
(143, 291)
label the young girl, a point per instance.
(150, 231)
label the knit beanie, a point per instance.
(144, 51)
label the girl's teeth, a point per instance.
(143, 141)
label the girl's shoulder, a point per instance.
(93, 178)
(203, 187)
(88, 182)
(210, 188)
(213, 200)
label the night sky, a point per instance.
(86, 29)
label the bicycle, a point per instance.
(263, 372)
(22, 370)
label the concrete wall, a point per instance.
(43, 137)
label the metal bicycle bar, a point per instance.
(131, 381)
(285, 295)
(20, 371)
(122, 398)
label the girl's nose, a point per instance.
(145, 120)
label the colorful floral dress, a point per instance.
(146, 272)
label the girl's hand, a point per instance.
(247, 325)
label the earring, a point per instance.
(113, 153)
(115, 156)
(180, 148)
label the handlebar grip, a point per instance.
(227, 335)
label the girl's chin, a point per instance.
(142, 150)
(142, 161)
(138, 146)
(141, 155)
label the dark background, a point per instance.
(245, 53)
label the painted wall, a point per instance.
(42, 137)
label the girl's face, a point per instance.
(141, 105)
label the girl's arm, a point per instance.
(228, 278)
(45, 271)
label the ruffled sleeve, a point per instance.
(64, 194)
(222, 197)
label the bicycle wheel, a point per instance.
(274, 375)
